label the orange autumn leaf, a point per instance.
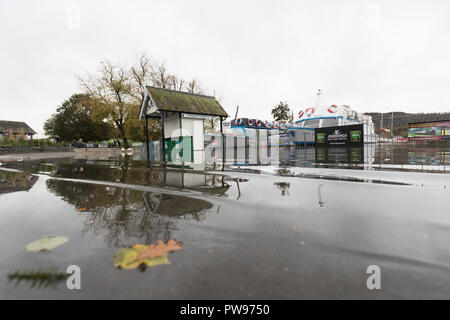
(158, 250)
(81, 209)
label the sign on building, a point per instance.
(438, 130)
(352, 135)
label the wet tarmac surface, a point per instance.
(246, 234)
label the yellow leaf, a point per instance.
(152, 255)
(156, 261)
(124, 258)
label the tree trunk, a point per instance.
(123, 136)
(125, 143)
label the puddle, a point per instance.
(16, 181)
(127, 172)
(244, 235)
(121, 214)
(347, 179)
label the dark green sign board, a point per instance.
(352, 135)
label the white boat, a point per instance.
(333, 116)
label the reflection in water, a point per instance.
(237, 180)
(16, 181)
(321, 176)
(284, 172)
(340, 155)
(167, 205)
(371, 154)
(128, 172)
(42, 278)
(117, 170)
(121, 214)
(284, 187)
(321, 203)
(126, 216)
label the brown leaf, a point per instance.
(159, 249)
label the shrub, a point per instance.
(9, 142)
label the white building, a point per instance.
(182, 117)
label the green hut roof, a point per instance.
(178, 101)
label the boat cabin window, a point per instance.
(330, 122)
(312, 123)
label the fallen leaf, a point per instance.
(125, 258)
(46, 244)
(156, 261)
(159, 250)
(152, 255)
(81, 209)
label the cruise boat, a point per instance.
(334, 115)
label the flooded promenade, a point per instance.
(305, 228)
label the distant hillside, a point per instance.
(401, 119)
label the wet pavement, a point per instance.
(247, 234)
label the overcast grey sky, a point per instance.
(371, 55)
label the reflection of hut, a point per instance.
(182, 118)
(173, 206)
(15, 129)
(207, 183)
(221, 190)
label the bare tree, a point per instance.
(142, 72)
(148, 72)
(212, 125)
(161, 77)
(112, 87)
(193, 86)
(176, 83)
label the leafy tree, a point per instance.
(135, 129)
(281, 112)
(73, 121)
(113, 87)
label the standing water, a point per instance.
(259, 232)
